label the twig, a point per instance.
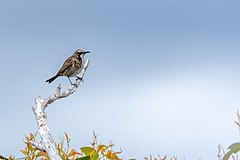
(39, 146)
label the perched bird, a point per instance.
(72, 66)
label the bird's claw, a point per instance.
(75, 85)
(81, 79)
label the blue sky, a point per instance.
(164, 76)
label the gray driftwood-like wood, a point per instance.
(47, 142)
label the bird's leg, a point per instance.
(81, 79)
(70, 81)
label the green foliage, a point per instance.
(234, 148)
(93, 152)
(102, 152)
(87, 150)
(30, 152)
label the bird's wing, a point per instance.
(66, 65)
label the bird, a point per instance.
(72, 66)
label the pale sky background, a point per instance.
(164, 76)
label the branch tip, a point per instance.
(58, 89)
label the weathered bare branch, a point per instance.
(47, 142)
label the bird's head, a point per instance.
(80, 53)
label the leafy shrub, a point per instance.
(93, 152)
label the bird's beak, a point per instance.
(85, 52)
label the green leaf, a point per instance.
(234, 148)
(96, 156)
(84, 158)
(87, 150)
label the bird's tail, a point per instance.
(52, 79)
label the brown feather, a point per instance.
(52, 79)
